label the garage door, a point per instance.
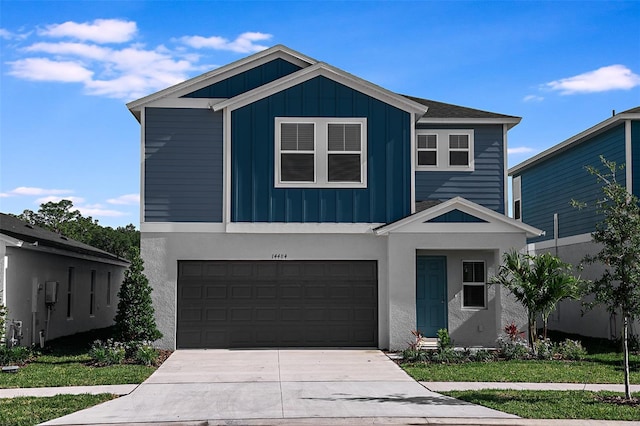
(239, 304)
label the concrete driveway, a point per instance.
(285, 384)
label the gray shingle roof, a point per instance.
(16, 228)
(443, 110)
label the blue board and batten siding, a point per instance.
(245, 81)
(183, 170)
(551, 185)
(254, 197)
(635, 155)
(484, 185)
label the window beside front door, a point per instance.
(474, 293)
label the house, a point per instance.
(543, 189)
(286, 202)
(54, 286)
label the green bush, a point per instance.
(572, 350)
(3, 322)
(481, 355)
(146, 355)
(512, 349)
(15, 355)
(545, 349)
(107, 353)
(444, 340)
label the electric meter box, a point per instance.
(51, 292)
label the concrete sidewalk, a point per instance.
(121, 390)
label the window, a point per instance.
(427, 150)
(473, 284)
(92, 293)
(109, 288)
(70, 277)
(516, 210)
(458, 150)
(320, 152)
(444, 150)
(517, 198)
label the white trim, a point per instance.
(580, 137)
(508, 121)
(412, 143)
(226, 148)
(12, 241)
(193, 103)
(463, 205)
(224, 72)
(505, 166)
(68, 253)
(301, 228)
(5, 266)
(628, 156)
(321, 152)
(186, 227)
(565, 241)
(332, 73)
(443, 150)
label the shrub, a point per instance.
(572, 350)
(3, 322)
(512, 349)
(107, 353)
(481, 355)
(544, 349)
(14, 355)
(146, 355)
(444, 340)
(447, 356)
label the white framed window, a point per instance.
(427, 145)
(517, 198)
(474, 289)
(445, 150)
(459, 150)
(320, 152)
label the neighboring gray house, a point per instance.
(286, 202)
(53, 285)
(545, 185)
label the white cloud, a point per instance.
(244, 43)
(127, 199)
(520, 150)
(43, 69)
(99, 31)
(533, 98)
(33, 191)
(124, 72)
(98, 210)
(7, 35)
(613, 77)
(58, 198)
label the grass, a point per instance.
(603, 364)
(64, 363)
(28, 411)
(551, 404)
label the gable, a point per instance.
(247, 80)
(456, 216)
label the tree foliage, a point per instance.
(63, 218)
(135, 320)
(539, 283)
(619, 237)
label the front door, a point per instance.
(431, 294)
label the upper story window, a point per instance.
(320, 152)
(444, 150)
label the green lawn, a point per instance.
(551, 404)
(64, 363)
(29, 411)
(604, 368)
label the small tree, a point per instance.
(135, 319)
(619, 235)
(538, 283)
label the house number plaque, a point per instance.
(279, 256)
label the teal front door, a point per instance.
(431, 294)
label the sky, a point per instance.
(68, 68)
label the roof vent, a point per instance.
(28, 226)
(64, 238)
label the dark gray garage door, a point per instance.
(236, 304)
